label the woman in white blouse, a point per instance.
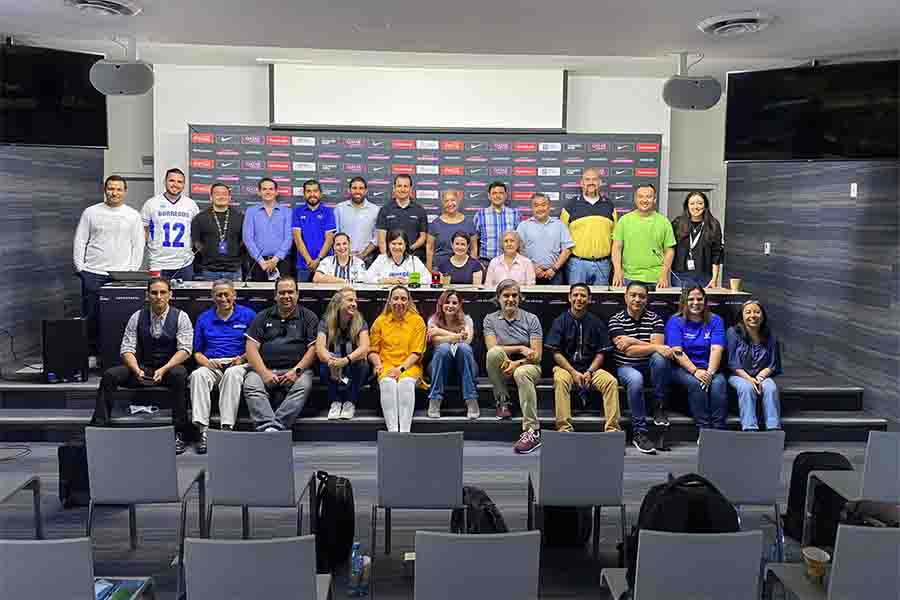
(342, 267)
(395, 267)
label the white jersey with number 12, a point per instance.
(169, 244)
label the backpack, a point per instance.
(566, 525)
(829, 508)
(688, 504)
(335, 521)
(869, 513)
(482, 515)
(74, 483)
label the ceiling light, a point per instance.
(117, 8)
(735, 25)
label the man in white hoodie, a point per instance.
(109, 237)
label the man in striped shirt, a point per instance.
(492, 222)
(640, 353)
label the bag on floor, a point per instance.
(869, 513)
(482, 515)
(335, 521)
(74, 483)
(566, 526)
(796, 504)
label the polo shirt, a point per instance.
(358, 223)
(215, 338)
(579, 340)
(544, 242)
(411, 219)
(205, 231)
(647, 325)
(283, 342)
(590, 225)
(696, 339)
(517, 332)
(644, 241)
(313, 224)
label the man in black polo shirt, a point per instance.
(578, 339)
(216, 235)
(280, 350)
(403, 213)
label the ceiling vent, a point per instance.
(730, 26)
(117, 8)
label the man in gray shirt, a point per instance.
(546, 241)
(514, 341)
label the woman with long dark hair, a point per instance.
(699, 249)
(451, 331)
(754, 359)
(398, 264)
(342, 345)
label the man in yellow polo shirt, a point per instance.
(590, 218)
(643, 243)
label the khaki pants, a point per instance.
(602, 381)
(524, 376)
(202, 382)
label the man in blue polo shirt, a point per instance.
(219, 352)
(313, 228)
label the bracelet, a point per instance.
(695, 371)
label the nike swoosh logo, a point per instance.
(226, 138)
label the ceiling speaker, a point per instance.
(121, 77)
(691, 93)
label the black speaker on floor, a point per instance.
(65, 350)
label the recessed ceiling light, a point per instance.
(116, 8)
(735, 25)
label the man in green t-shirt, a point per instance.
(643, 243)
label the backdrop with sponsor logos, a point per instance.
(553, 164)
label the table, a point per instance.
(118, 301)
(13, 483)
(845, 483)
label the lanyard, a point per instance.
(695, 240)
(223, 231)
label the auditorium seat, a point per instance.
(43, 569)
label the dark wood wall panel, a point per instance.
(831, 282)
(42, 194)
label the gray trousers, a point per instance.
(259, 400)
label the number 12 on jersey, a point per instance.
(168, 230)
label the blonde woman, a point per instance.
(342, 345)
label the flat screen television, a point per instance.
(46, 98)
(830, 112)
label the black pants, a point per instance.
(90, 287)
(120, 376)
(257, 274)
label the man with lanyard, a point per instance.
(267, 234)
(313, 228)
(217, 237)
(578, 339)
(157, 340)
(356, 217)
(167, 227)
(403, 213)
(591, 218)
(643, 243)
(281, 349)
(546, 241)
(219, 353)
(491, 223)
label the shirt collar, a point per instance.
(161, 317)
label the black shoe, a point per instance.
(180, 446)
(201, 443)
(643, 443)
(660, 419)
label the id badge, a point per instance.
(690, 264)
(223, 247)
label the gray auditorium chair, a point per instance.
(14, 482)
(582, 470)
(42, 569)
(415, 471)
(136, 465)
(866, 565)
(254, 469)
(746, 467)
(451, 566)
(693, 565)
(279, 568)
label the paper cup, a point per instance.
(735, 284)
(445, 280)
(816, 561)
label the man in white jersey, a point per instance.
(167, 223)
(109, 237)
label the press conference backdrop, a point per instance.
(552, 164)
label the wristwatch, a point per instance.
(298, 371)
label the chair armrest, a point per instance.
(199, 477)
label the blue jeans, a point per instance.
(688, 278)
(357, 372)
(463, 365)
(555, 280)
(632, 377)
(90, 288)
(185, 273)
(215, 275)
(710, 408)
(591, 272)
(747, 403)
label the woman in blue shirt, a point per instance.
(697, 338)
(754, 359)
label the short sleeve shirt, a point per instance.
(283, 342)
(644, 242)
(411, 219)
(696, 339)
(313, 225)
(216, 338)
(342, 344)
(459, 275)
(642, 329)
(544, 242)
(517, 332)
(443, 234)
(169, 223)
(579, 340)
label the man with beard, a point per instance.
(591, 218)
(167, 226)
(313, 229)
(356, 217)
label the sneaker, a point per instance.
(348, 410)
(227, 427)
(473, 411)
(335, 411)
(268, 429)
(180, 446)
(504, 410)
(201, 444)
(643, 443)
(660, 419)
(434, 409)
(529, 441)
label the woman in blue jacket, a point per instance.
(754, 359)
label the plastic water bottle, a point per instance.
(354, 586)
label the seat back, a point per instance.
(745, 466)
(420, 470)
(252, 468)
(581, 469)
(451, 566)
(42, 569)
(133, 465)
(881, 472)
(698, 565)
(273, 568)
(866, 563)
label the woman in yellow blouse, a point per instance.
(396, 348)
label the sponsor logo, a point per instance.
(427, 170)
(480, 171)
(353, 155)
(524, 184)
(573, 171)
(617, 196)
(617, 172)
(279, 165)
(427, 145)
(378, 193)
(330, 191)
(427, 158)
(570, 195)
(299, 140)
(552, 196)
(354, 168)
(354, 142)
(599, 147)
(548, 159)
(379, 157)
(327, 168)
(598, 159)
(550, 147)
(403, 144)
(248, 189)
(426, 194)
(253, 152)
(282, 179)
(226, 139)
(329, 141)
(573, 160)
(229, 178)
(304, 154)
(200, 188)
(624, 147)
(452, 146)
(469, 184)
(548, 172)
(622, 161)
(304, 166)
(278, 140)
(228, 164)
(602, 171)
(646, 172)
(427, 183)
(203, 138)
(200, 176)
(329, 181)
(286, 191)
(297, 190)
(377, 143)
(500, 171)
(648, 160)
(476, 158)
(621, 185)
(474, 195)
(257, 165)
(519, 196)
(525, 171)
(525, 147)
(227, 153)
(379, 182)
(451, 182)
(477, 145)
(648, 147)
(202, 163)
(525, 159)
(502, 158)
(330, 156)
(571, 184)
(279, 155)
(201, 150)
(377, 168)
(575, 147)
(501, 147)
(403, 169)
(403, 157)
(253, 140)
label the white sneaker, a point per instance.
(348, 410)
(474, 411)
(268, 429)
(434, 409)
(335, 411)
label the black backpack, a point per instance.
(829, 505)
(74, 483)
(566, 525)
(335, 521)
(688, 504)
(482, 515)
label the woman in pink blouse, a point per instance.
(510, 264)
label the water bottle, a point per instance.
(354, 586)
(51, 377)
